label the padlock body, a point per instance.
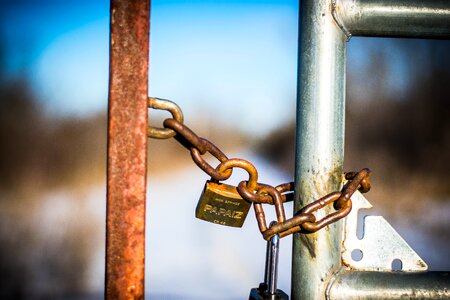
(259, 294)
(221, 204)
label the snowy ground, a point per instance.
(187, 258)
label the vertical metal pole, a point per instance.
(127, 146)
(320, 142)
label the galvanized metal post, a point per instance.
(354, 285)
(325, 25)
(320, 142)
(394, 18)
(127, 146)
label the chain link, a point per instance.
(173, 108)
(251, 190)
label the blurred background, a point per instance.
(231, 66)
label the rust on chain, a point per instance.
(359, 181)
(198, 146)
(258, 193)
(260, 217)
(286, 190)
(305, 221)
(278, 203)
(173, 108)
(231, 163)
(127, 149)
(288, 227)
(185, 136)
(321, 203)
(205, 166)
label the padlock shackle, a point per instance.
(267, 264)
(273, 277)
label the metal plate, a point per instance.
(382, 248)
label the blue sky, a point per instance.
(234, 61)
(62, 46)
(236, 53)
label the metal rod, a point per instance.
(273, 271)
(390, 285)
(267, 265)
(320, 142)
(127, 146)
(394, 18)
(269, 258)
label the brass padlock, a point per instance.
(221, 204)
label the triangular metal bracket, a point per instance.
(381, 247)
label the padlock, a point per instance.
(221, 204)
(268, 289)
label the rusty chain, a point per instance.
(304, 221)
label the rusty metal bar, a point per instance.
(127, 145)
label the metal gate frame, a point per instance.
(325, 27)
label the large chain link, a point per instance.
(251, 190)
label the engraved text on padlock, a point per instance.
(222, 204)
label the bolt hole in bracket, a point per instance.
(381, 248)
